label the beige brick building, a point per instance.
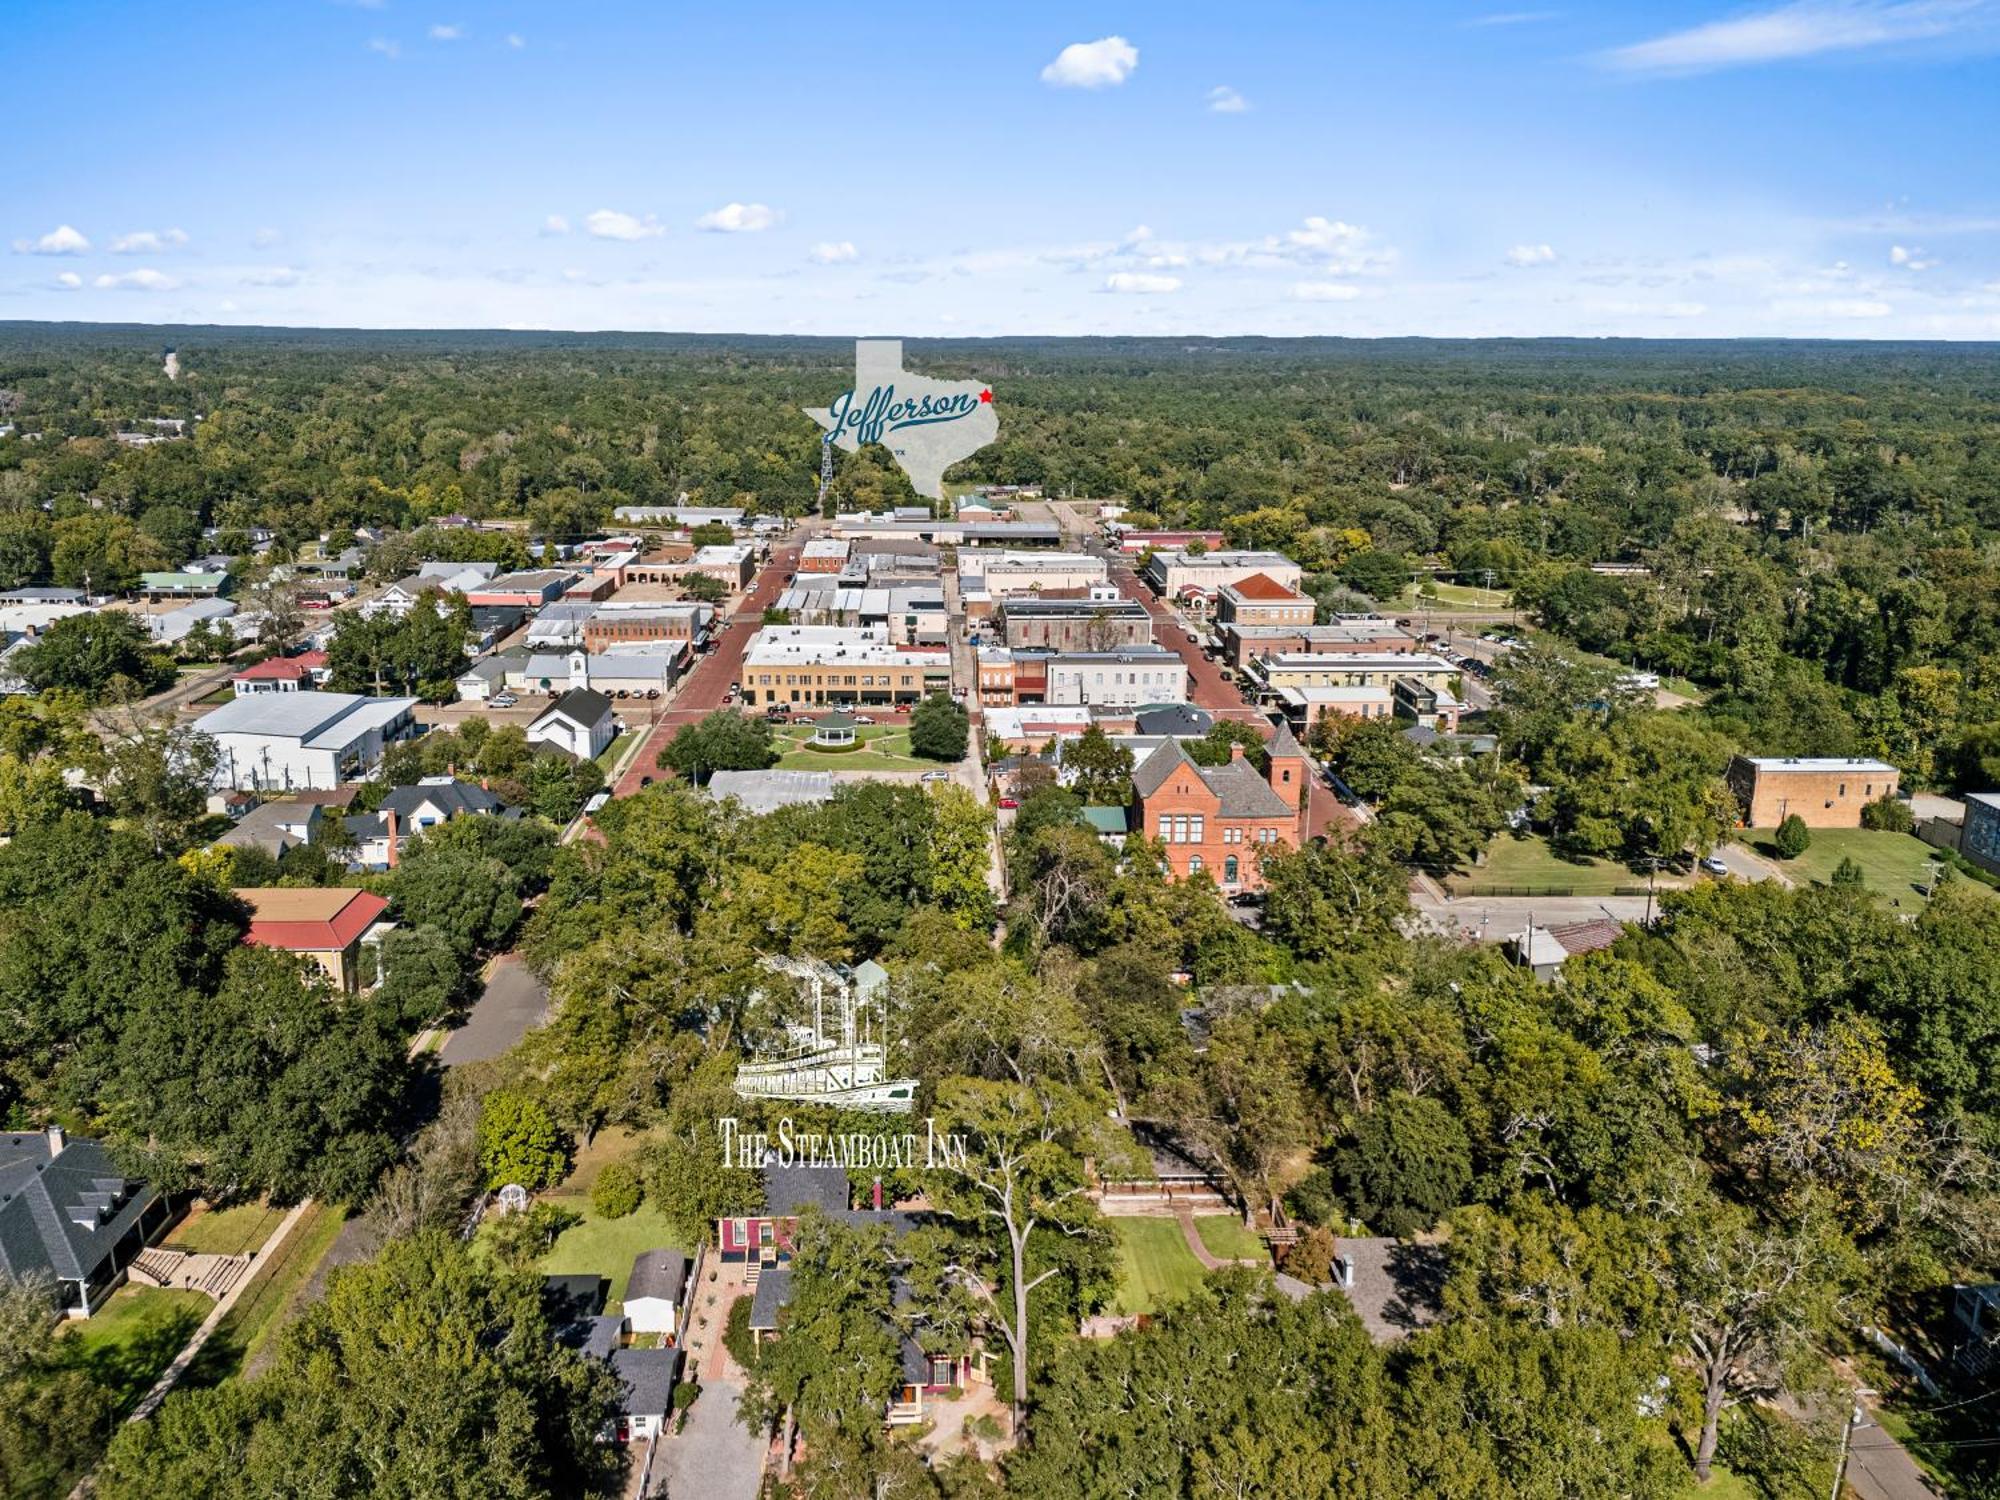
(1825, 791)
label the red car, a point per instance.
(1009, 802)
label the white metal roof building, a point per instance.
(304, 740)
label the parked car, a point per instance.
(1010, 802)
(1714, 866)
(935, 776)
(863, 719)
(504, 700)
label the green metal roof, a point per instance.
(1105, 819)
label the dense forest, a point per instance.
(1651, 1205)
(1812, 525)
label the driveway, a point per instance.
(513, 1001)
(714, 1457)
(1746, 863)
(1493, 918)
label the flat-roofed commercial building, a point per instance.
(1000, 574)
(1116, 679)
(620, 624)
(287, 741)
(1356, 669)
(1351, 636)
(821, 664)
(1102, 624)
(1826, 791)
(1195, 579)
(824, 554)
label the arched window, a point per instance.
(1229, 868)
(1194, 864)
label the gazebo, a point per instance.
(835, 731)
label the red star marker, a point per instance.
(986, 398)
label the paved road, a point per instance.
(1879, 1469)
(714, 1457)
(700, 692)
(512, 1002)
(1491, 918)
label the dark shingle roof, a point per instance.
(789, 1189)
(657, 1273)
(774, 1290)
(1152, 772)
(1239, 790)
(454, 799)
(62, 1213)
(1177, 718)
(582, 705)
(648, 1377)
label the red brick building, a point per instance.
(1223, 819)
(1261, 600)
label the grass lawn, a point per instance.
(608, 1246)
(134, 1336)
(1155, 1265)
(614, 1144)
(1529, 867)
(608, 756)
(235, 1230)
(267, 1299)
(1227, 1239)
(1457, 595)
(1895, 866)
(223, 694)
(884, 747)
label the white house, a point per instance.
(578, 723)
(298, 740)
(653, 1294)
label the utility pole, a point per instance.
(1846, 1428)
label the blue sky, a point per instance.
(1818, 168)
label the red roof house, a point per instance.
(283, 674)
(327, 925)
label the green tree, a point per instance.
(1101, 771)
(271, 1084)
(1848, 874)
(616, 1193)
(158, 776)
(1331, 898)
(103, 654)
(939, 729)
(520, 1143)
(1404, 1164)
(704, 587)
(1793, 838)
(1889, 813)
(421, 1375)
(723, 741)
(1379, 575)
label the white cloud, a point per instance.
(740, 218)
(147, 242)
(609, 224)
(1134, 281)
(1104, 63)
(70, 280)
(1835, 307)
(1324, 291)
(1224, 100)
(443, 33)
(1532, 255)
(834, 252)
(1805, 28)
(555, 224)
(264, 239)
(62, 240)
(271, 276)
(1909, 258)
(516, 40)
(143, 280)
(389, 49)
(1342, 248)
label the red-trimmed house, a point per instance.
(763, 1243)
(283, 674)
(329, 925)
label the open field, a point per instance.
(608, 1246)
(1529, 867)
(1155, 1266)
(1895, 866)
(1224, 1237)
(1456, 595)
(133, 1336)
(235, 1230)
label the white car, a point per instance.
(935, 776)
(505, 700)
(1713, 865)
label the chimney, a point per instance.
(874, 1196)
(57, 1140)
(1235, 750)
(390, 818)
